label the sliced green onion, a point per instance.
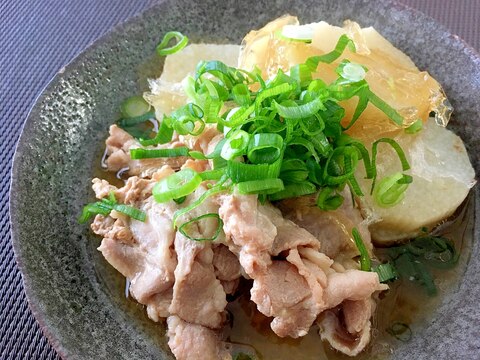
(386, 272)
(302, 33)
(294, 190)
(385, 108)
(436, 251)
(163, 136)
(136, 120)
(396, 147)
(236, 145)
(177, 185)
(239, 116)
(140, 153)
(415, 127)
(361, 106)
(293, 170)
(351, 72)
(330, 57)
(130, 211)
(186, 228)
(92, 209)
(187, 120)
(218, 188)
(328, 199)
(163, 49)
(134, 106)
(218, 69)
(300, 111)
(105, 206)
(391, 190)
(267, 186)
(410, 269)
(315, 172)
(241, 95)
(302, 74)
(272, 92)
(239, 172)
(365, 263)
(303, 143)
(264, 148)
(197, 155)
(341, 165)
(212, 174)
(180, 200)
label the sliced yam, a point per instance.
(183, 63)
(166, 93)
(442, 177)
(391, 74)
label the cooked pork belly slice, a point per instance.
(351, 285)
(442, 177)
(325, 290)
(259, 231)
(119, 144)
(191, 341)
(333, 331)
(112, 228)
(198, 296)
(284, 294)
(296, 290)
(230, 286)
(289, 235)
(227, 266)
(249, 229)
(158, 304)
(332, 228)
(148, 262)
(357, 314)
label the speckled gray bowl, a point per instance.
(73, 295)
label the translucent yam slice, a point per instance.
(166, 93)
(181, 64)
(442, 177)
(264, 49)
(392, 75)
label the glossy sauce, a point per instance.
(404, 302)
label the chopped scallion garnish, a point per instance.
(141, 153)
(134, 107)
(386, 272)
(106, 205)
(365, 262)
(177, 185)
(163, 48)
(189, 229)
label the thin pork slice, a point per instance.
(333, 229)
(118, 158)
(191, 341)
(198, 296)
(348, 328)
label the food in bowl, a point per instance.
(269, 171)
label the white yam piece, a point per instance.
(166, 93)
(442, 177)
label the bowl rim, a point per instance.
(21, 144)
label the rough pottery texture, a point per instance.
(65, 279)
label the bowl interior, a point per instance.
(72, 292)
